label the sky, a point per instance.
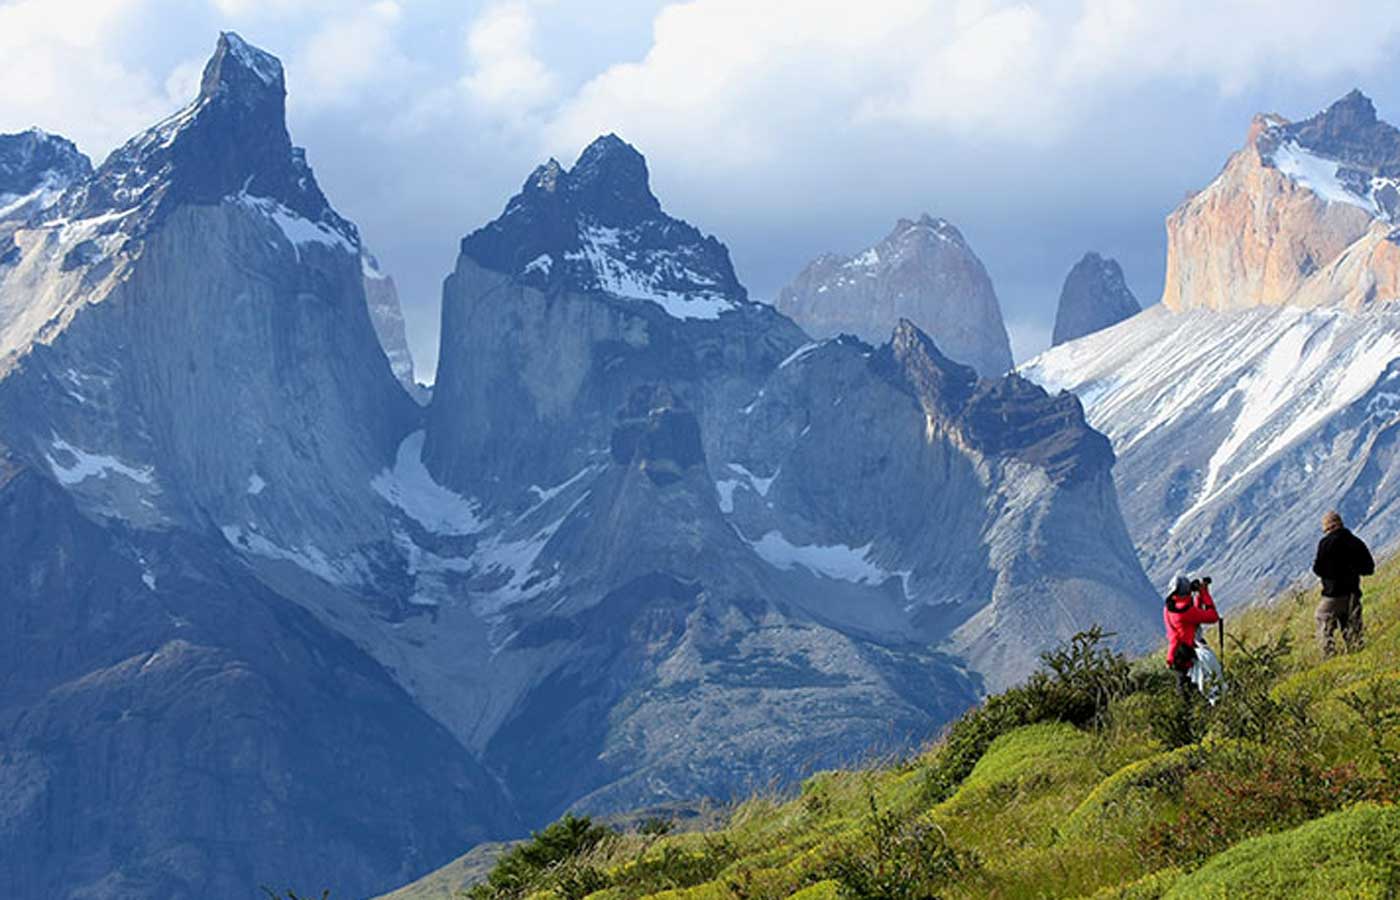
(787, 128)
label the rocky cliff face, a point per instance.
(189, 381)
(386, 315)
(923, 271)
(1094, 296)
(171, 728)
(1262, 394)
(1297, 217)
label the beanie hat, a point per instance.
(1181, 585)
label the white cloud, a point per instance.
(65, 75)
(353, 51)
(506, 73)
(730, 82)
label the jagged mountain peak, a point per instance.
(912, 360)
(611, 180)
(597, 228)
(229, 144)
(35, 168)
(927, 227)
(1095, 295)
(239, 69)
(922, 271)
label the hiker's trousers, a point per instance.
(1339, 613)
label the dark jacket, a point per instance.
(1342, 558)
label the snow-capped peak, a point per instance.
(597, 228)
(1344, 154)
(264, 65)
(230, 142)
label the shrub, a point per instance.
(1247, 708)
(1378, 706)
(1076, 684)
(1242, 795)
(1355, 854)
(897, 858)
(672, 867)
(549, 859)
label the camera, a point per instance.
(1198, 583)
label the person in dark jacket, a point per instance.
(1342, 558)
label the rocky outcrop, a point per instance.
(35, 168)
(386, 314)
(1279, 224)
(923, 271)
(1094, 296)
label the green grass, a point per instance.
(1284, 791)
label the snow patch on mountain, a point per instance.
(73, 465)
(1319, 175)
(410, 487)
(298, 230)
(837, 561)
(628, 273)
(308, 557)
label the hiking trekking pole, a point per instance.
(1220, 630)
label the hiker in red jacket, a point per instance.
(1182, 614)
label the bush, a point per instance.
(1247, 708)
(1244, 794)
(1076, 684)
(1353, 854)
(672, 867)
(550, 859)
(1378, 706)
(897, 858)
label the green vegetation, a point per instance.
(1093, 780)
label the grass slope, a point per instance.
(1283, 790)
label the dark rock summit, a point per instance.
(1095, 296)
(230, 142)
(923, 271)
(36, 161)
(597, 228)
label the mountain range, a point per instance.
(1261, 392)
(271, 619)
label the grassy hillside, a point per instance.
(1091, 781)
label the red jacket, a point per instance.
(1182, 615)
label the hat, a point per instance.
(1332, 521)
(1181, 585)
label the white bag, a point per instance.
(1206, 673)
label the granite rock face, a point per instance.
(1302, 215)
(188, 370)
(923, 271)
(1094, 296)
(172, 728)
(386, 314)
(1262, 393)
